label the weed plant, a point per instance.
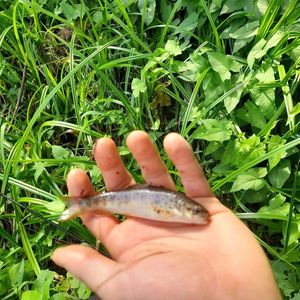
(224, 74)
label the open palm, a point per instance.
(156, 260)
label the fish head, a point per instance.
(192, 212)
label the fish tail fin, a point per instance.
(70, 213)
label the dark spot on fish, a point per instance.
(157, 210)
(163, 212)
(82, 192)
(117, 173)
(142, 166)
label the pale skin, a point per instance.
(157, 260)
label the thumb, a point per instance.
(86, 264)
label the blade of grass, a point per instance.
(25, 240)
(17, 36)
(291, 210)
(36, 8)
(3, 34)
(273, 252)
(289, 9)
(268, 19)
(6, 236)
(123, 11)
(131, 33)
(213, 27)
(27, 187)
(176, 7)
(187, 114)
(42, 218)
(287, 98)
(19, 145)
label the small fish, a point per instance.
(142, 201)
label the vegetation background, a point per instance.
(223, 73)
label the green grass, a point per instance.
(225, 74)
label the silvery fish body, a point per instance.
(141, 201)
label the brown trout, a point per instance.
(142, 201)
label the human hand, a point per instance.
(156, 260)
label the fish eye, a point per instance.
(196, 210)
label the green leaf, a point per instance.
(187, 26)
(251, 196)
(233, 100)
(244, 35)
(233, 5)
(275, 142)
(155, 125)
(16, 274)
(287, 276)
(250, 113)
(256, 52)
(147, 8)
(43, 282)
(55, 206)
(296, 296)
(213, 86)
(280, 174)
(59, 152)
(218, 3)
(223, 64)
(98, 16)
(249, 30)
(165, 10)
(295, 53)
(138, 86)
(240, 43)
(264, 97)
(31, 295)
(189, 70)
(58, 296)
(82, 290)
(173, 48)
(277, 206)
(277, 201)
(252, 179)
(241, 151)
(95, 175)
(232, 27)
(214, 130)
(295, 110)
(274, 40)
(294, 231)
(262, 6)
(72, 12)
(212, 147)
(39, 168)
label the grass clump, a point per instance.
(225, 74)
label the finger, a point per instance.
(147, 156)
(79, 185)
(86, 264)
(115, 175)
(192, 176)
